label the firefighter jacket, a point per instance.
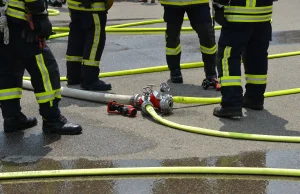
(249, 11)
(18, 9)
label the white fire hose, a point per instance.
(86, 95)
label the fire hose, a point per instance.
(164, 102)
(147, 105)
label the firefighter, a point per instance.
(198, 12)
(86, 43)
(24, 48)
(245, 34)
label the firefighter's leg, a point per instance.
(75, 50)
(95, 41)
(45, 79)
(174, 19)
(255, 60)
(201, 22)
(232, 43)
(11, 73)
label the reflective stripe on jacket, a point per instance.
(77, 5)
(249, 11)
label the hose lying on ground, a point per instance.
(100, 97)
(151, 171)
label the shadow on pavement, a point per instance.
(18, 148)
(192, 90)
(258, 122)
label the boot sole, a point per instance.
(231, 115)
(51, 131)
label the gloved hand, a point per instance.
(219, 15)
(39, 26)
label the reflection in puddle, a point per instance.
(164, 183)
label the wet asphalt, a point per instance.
(116, 141)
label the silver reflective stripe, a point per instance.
(91, 63)
(230, 80)
(74, 58)
(173, 51)
(10, 94)
(44, 72)
(50, 96)
(248, 10)
(14, 13)
(251, 3)
(18, 4)
(248, 18)
(206, 50)
(255, 79)
(58, 93)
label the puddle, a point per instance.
(160, 184)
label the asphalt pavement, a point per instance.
(118, 141)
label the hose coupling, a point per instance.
(166, 103)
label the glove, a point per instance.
(219, 15)
(39, 26)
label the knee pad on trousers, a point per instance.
(206, 34)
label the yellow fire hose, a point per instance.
(151, 171)
(151, 111)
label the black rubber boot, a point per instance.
(61, 126)
(176, 76)
(228, 112)
(18, 123)
(98, 85)
(73, 82)
(252, 104)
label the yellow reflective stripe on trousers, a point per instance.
(44, 97)
(256, 79)
(207, 50)
(97, 6)
(248, 10)
(74, 58)
(183, 2)
(92, 60)
(226, 55)
(231, 81)
(250, 3)
(31, 1)
(173, 51)
(12, 93)
(16, 14)
(45, 74)
(91, 63)
(248, 18)
(18, 4)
